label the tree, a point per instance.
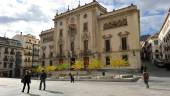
(38, 69)
(50, 68)
(78, 65)
(62, 66)
(95, 64)
(118, 63)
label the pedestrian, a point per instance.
(43, 77)
(71, 78)
(26, 80)
(146, 78)
(142, 67)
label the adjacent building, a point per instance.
(47, 48)
(30, 44)
(164, 38)
(89, 31)
(10, 57)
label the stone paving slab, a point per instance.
(12, 87)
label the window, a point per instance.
(85, 44)
(43, 55)
(51, 54)
(43, 63)
(61, 32)
(51, 63)
(124, 43)
(85, 27)
(11, 65)
(61, 47)
(107, 45)
(107, 60)
(5, 65)
(12, 51)
(6, 50)
(61, 23)
(156, 42)
(125, 57)
(72, 47)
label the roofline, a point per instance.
(47, 31)
(79, 8)
(115, 12)
(164, 22)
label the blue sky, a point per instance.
(33, 16)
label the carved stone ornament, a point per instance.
(107, 36)
(60, 41)
(85, 36)
(43, 48)
(123, 33)
(115, 24)
(51, 46)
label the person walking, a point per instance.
(43, 77)
(146, 78)
(71, 78)
(26, 80)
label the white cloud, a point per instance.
(33, 16)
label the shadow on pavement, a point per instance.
(34, 94)
(55, 92)
(159, 89)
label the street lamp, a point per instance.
(69, 57)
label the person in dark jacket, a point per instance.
(43, 77)
(71, 78)
(26, 80)
(146, 78)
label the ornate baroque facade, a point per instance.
(90, 31)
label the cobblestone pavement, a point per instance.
(159, 86)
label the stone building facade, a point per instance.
(10, 57)
(89, 31)
(164, 38)
(47, 47)
(30, 55)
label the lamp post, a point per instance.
(69, 57)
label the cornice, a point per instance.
(80, 8)
(168, 16)
(47, 31)
(119, 11)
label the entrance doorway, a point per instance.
(72, 61)
(60, 61)
(10, 73)
(86, 62)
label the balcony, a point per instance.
(85, 53)
(6, 52)
(12, 53)
(125, 48)
(5, 59)
(61, 55)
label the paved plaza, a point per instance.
(158, 87)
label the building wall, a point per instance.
(47, 48)
(164, 40)
(131, 31)
(96, 16)
(8, 61)
(29, 58)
